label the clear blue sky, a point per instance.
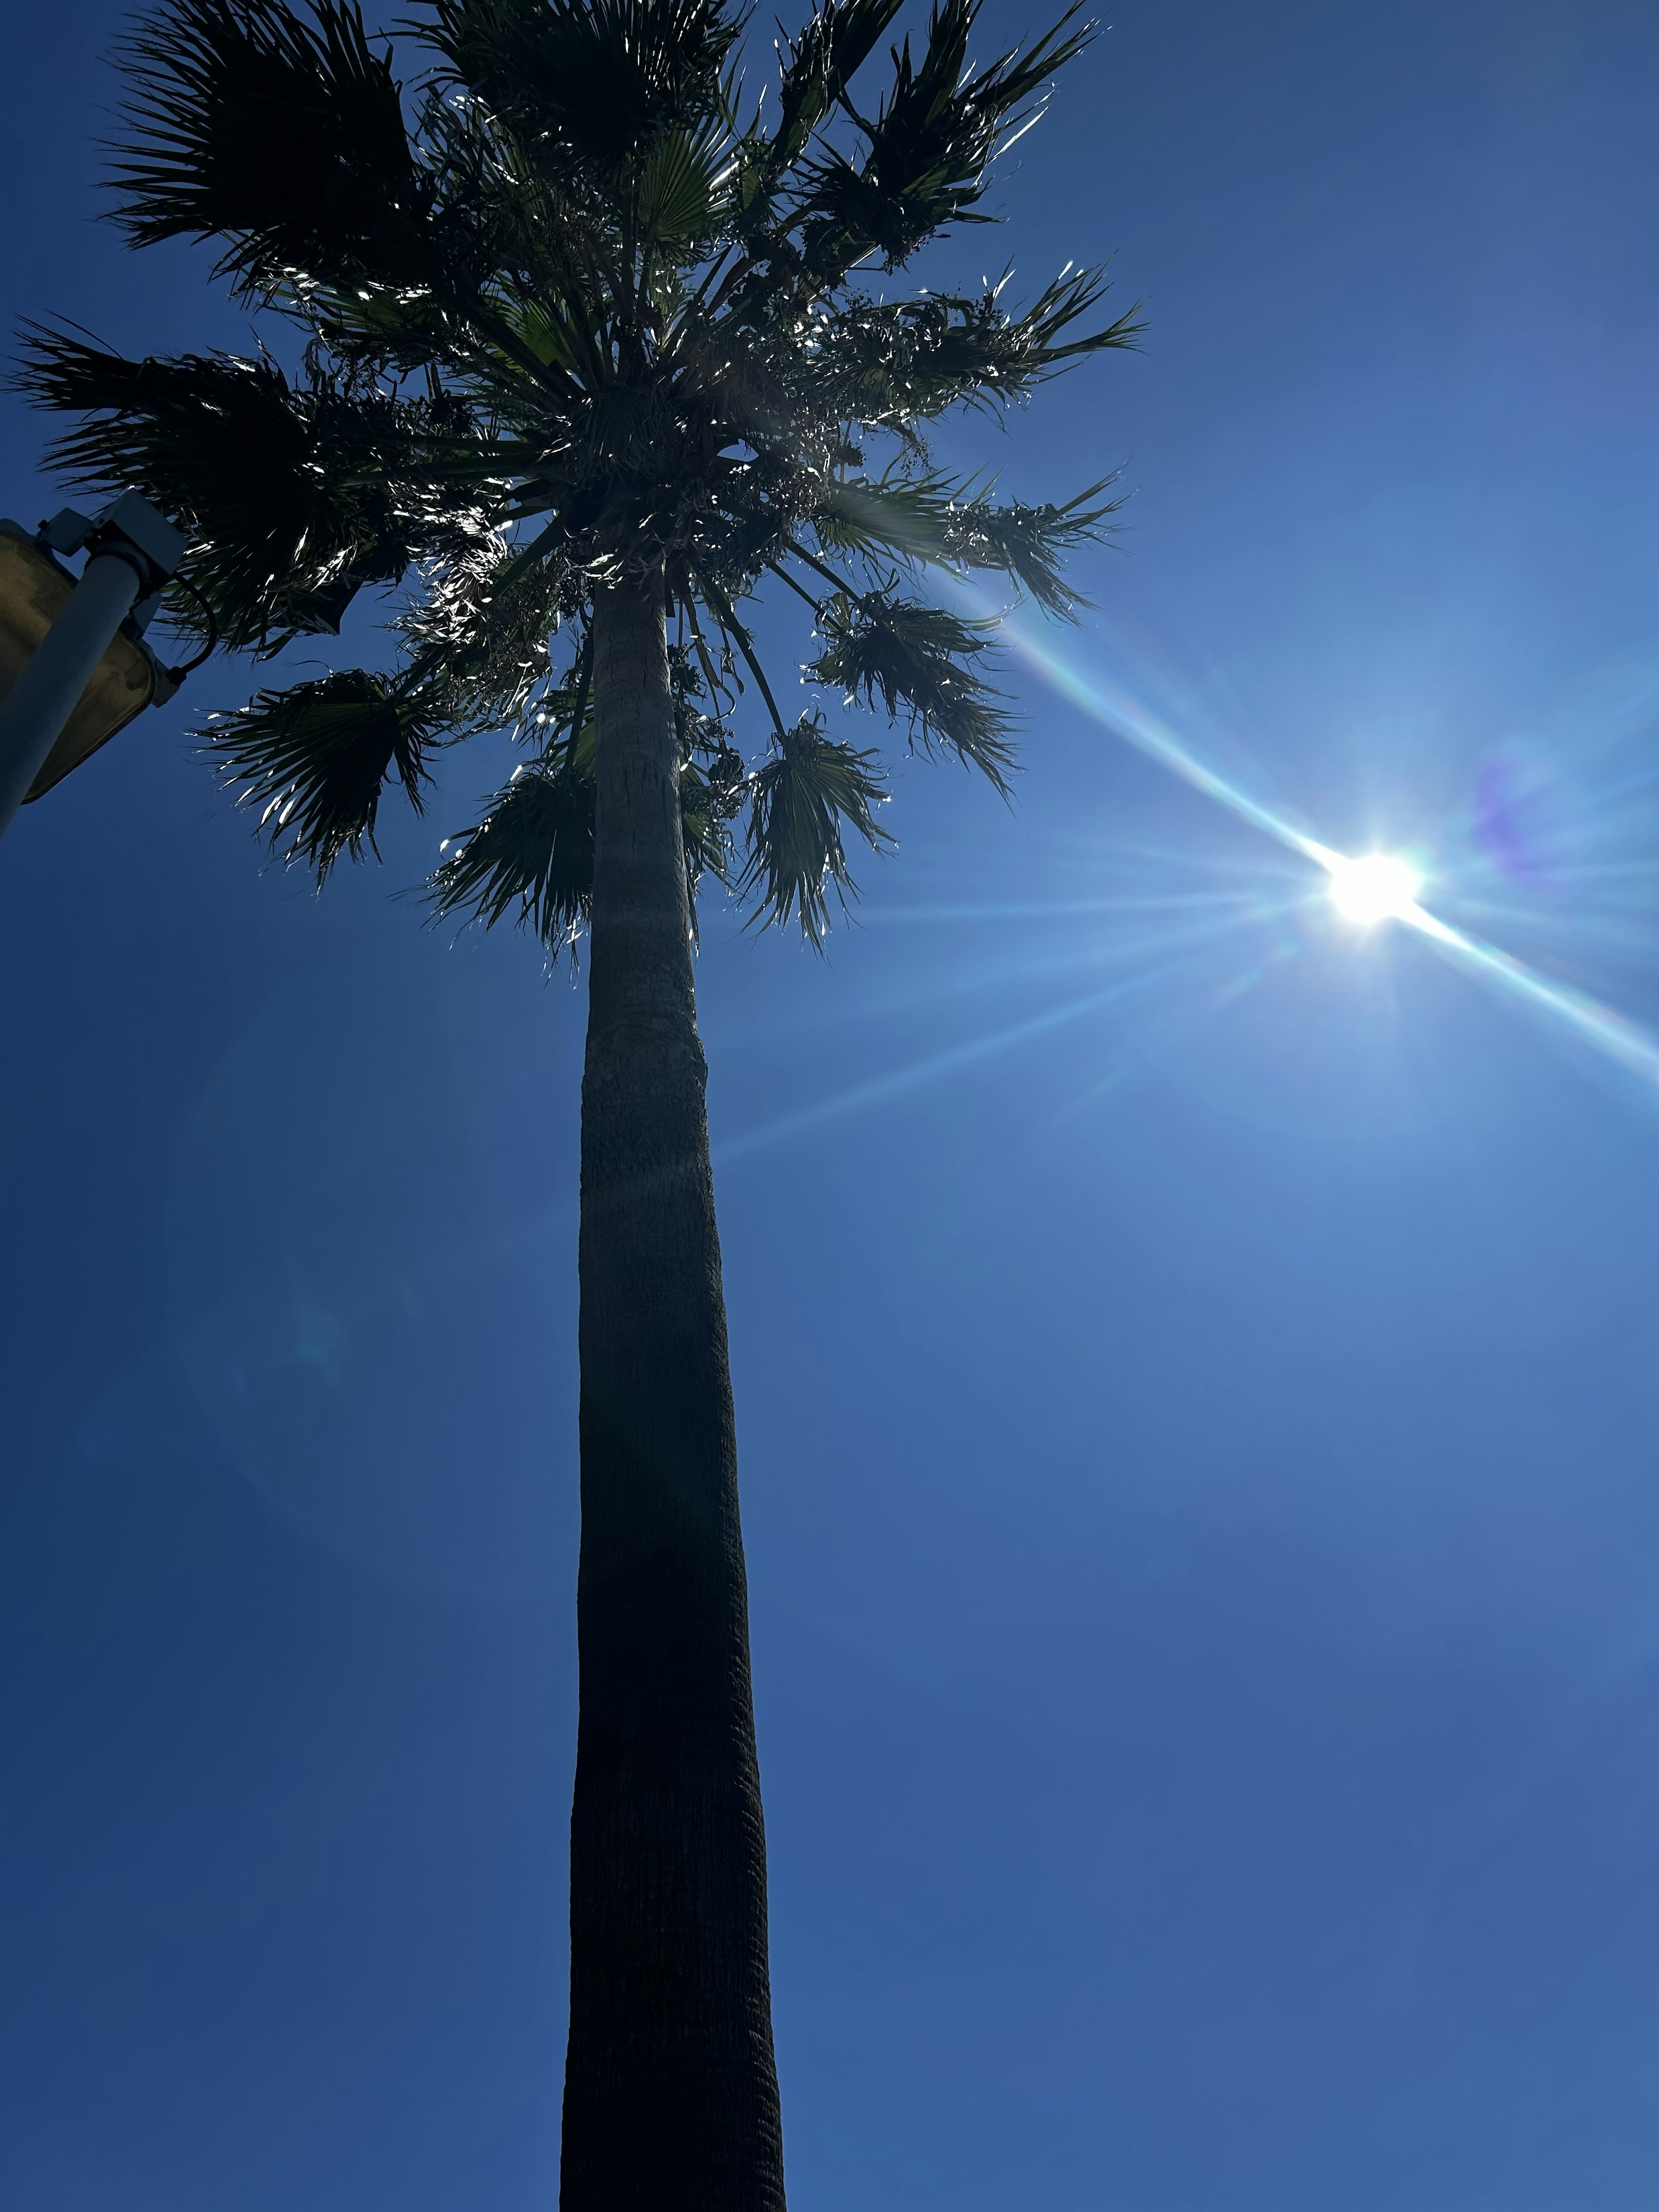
(1199, 1449)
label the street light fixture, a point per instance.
(74, 666)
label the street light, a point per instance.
(74, 666)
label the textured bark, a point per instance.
(671, 2098)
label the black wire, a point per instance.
(177, 675)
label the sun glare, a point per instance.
(1376, 888)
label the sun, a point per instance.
(1379, 887)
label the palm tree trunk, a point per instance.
(671, 2100)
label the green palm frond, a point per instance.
(919, 661)
(800, 801)
(837, 39)
(1034, 345)
(530, 857)
(905, 515)
(589, 81)
(919, 520)
(279, 134)
(679, 196)
(296, 495)
(488, 621)
(542, 326)
(315, 759)
(1029, 543)
(931, 143)
(895, 361)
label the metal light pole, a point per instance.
(131, 551)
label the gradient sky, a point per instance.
(1195, 1366)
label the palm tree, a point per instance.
(593, 349)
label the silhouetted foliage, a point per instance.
(571, 297)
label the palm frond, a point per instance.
(485, 624)
(932, 518)
(677, 201)
(1029, 543)
(283, 138)
(294, 496)
(530, 857)
(593, 80)
(1035, 345)
(904, 515)
(837, 39)
(889, 363)
(800, 801)
(920, 662)
(315, 759)
(932, 144)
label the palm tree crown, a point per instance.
(576, 305)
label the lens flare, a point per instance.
(1374, 888)
(1379, 887)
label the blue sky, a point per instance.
(1196, 1368)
